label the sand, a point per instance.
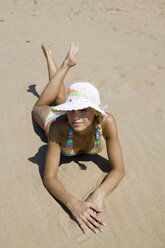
(122, 47)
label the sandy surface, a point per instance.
(122, 48)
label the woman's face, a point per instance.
(80, 119)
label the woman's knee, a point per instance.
(35, 110)
(40, 113)
(35, 113)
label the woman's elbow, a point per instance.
(122, 173)
(47, 181)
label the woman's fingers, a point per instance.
(95, 224)
(90, 225)
(97, 218)
(81, 224)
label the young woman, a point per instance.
(76, 124)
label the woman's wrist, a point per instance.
(72, 201)
(99, 193)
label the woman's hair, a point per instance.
(98, 120)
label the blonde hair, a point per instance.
(98, 120)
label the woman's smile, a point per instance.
(77, 123)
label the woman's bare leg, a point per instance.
(51, 92)
(52, 68)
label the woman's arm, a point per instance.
(116, 162)
(84, 212)
(114, 154)
(54, 186)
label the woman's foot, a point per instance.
(52, 67)
(47, 50)
(71, 56)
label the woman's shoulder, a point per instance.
(109, 125)
(109, 119)
(59, 129)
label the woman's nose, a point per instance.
(76, 113)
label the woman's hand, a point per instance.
(96, 198)
(86, 213)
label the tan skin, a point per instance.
(86, 213)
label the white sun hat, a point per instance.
(81, 95)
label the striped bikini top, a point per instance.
(68, 149)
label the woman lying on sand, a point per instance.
(76, 124)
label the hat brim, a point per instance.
(70, 106)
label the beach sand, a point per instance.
(122, 48)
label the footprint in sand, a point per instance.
(157, 67)
(158, 113)
(134, 84)
(73, 231)
(73, 13)
(119, 75)
(113, 90)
